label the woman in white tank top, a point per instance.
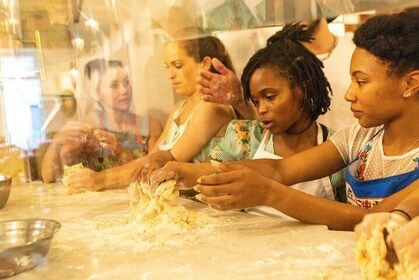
(192, 128)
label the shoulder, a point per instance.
(210, 107)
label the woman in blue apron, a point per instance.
(380, 152)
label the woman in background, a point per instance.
(193, 127)
(110, 134)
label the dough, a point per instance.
(155, 214)
(68, 173)
(100, 138)
(371, 255)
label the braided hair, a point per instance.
(286, 54)
(393, 38)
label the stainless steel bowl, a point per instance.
(24, 243)
(5, 185)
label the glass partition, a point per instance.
(46, 45)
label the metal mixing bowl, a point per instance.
(5, 185)
(24, 243)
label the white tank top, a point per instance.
(176, 130)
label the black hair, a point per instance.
(393, 38)
(286, 54)
(202, 45)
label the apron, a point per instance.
(176, 131)
(368, 193)
(320, 187)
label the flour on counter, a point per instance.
(371, 252)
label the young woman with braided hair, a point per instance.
(286, 84)
(380, 152)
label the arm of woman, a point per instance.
(210, 120)
(234, 146)
(238, 187)
(69, 140)
(112, 178)
(410, 205)
(408, 233)
(155, 132)
(308, 165)
(51, 163)
(314, 163)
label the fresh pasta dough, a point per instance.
(371, 255)
(155, 213)
(69, 172)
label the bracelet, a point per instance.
(403, 212)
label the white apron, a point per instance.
(320, 187)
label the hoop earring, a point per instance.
(407, 94)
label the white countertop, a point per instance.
(94, 243)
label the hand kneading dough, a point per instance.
(68, 173)
(371, 256)
(156, 214)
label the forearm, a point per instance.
(336, 215)
(190, 172)
(51, 163)
(410, 205)
(314, 163)
(266, 167)
(118, 177)
(314, 210)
